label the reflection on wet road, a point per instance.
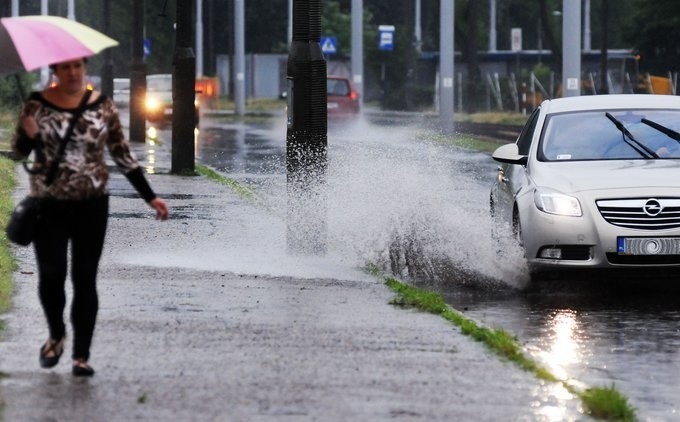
(614, 332)
(420, 210)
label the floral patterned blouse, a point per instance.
(82, 172)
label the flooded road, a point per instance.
(419, 209)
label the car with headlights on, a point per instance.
(592, 182)
(158, 103)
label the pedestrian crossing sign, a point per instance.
(329, 45)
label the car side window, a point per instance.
(527, 134)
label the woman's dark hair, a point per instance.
(53, 66)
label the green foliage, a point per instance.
(604, 403)
(607, 403)
(245, 191)
(7, 262)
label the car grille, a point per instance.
(642, 213)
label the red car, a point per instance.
(343, 99)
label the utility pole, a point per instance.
(107, 66)
(45, 71)
(446, 66)
(199, 38)
(183, 92)
(417, 29)
(137, 76)
(586, 26)
(358, 47)
(306, 138)
(239, 58)
(492, 26)
(571, 48)
(71, 10)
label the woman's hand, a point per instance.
(161, 209)
(30, 126)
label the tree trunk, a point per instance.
(547, 21)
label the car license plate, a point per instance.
(332, 105)
(167, 111)
(648, 245)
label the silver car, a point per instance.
(593, 182)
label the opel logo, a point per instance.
(652, 208)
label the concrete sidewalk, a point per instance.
(205, 317)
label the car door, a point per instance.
(511, 177)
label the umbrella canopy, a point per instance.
(30, 42)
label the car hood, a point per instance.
(572, 177)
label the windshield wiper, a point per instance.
(663, 129)
(638, 146)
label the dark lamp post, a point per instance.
(306, 138)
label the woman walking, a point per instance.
(70, 177)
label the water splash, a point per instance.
(416, 208)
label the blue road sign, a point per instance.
(329, 45)
(147, 47)
(386, 42)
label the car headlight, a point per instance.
(152, 103)
(553, 202)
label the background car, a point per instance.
(343, 99)
(121, 92)
(158, 103)
(592, 183)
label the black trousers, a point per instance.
(84, 224)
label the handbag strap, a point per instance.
(52, 171)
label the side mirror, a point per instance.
(509, 154)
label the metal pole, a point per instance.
(199, 38)
(586, 25)
(239, 58)
(71, 10)
(358, 47)
(15, 7)
(571, 48)
(446, 66)
(137, 76)
(290, 21)
(107, 66)
(492, 25)
(417, 30)
(306, 137)
(44, 71)
(183, 92)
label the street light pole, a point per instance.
(183, 92)
(306, 138)
(137, 76)
(571, 48)
(446, 66)
(239, 58)
(107, 67)
(358, 47)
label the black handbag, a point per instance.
(23, 222)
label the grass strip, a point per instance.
(7, 262)
(245, 191)
(599, 402)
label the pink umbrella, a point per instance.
(30, 42)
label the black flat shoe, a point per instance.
(82, 369)
(52, 348)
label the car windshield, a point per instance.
(592, 135)
(337, 87)
(159, 83)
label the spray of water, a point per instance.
(415, 208)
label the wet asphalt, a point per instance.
(208, 317)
